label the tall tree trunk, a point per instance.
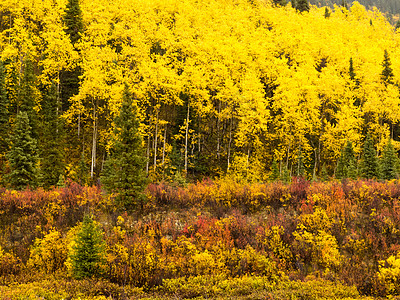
(148, 155)
(186, 137)
(229, 144)
(94, 141)
(287, 158)
(218, 129)
(164, 142)
(156, 140)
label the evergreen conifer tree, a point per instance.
(352, 74)
(300, 163)
(52, 154)
(4, 114)
(83, 170)
(302, 5)
(387, 72)
(28, 96)
(327, 13)
(73, 20)
(285, 175)
(369, 161)
(397, 25)
(324, 173)
(280, 2)
(22, 155)
(88, 253)
(347, 162)
(388, 162)
(124, 168)
(274, 171)
(352, 169)
(69, 79)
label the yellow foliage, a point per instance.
(49, 253)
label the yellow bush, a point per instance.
(49, 253)
(389, 274)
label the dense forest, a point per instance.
(220, 87)
(208, 149)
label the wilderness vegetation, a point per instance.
(115, 115)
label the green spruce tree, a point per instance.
(274, 171)
(73, 21)
(300, 164)
(387, 72)
(74, 28)
(28, 96)
(52, 150)
(4, 115)
(22, 156)
(302, 5)
(327, 13)
(346, 163)
(280, 2)
(324, 173)
(388, 162)
(369, 161)
(285, 175)
(124, 168)
(83, 170)
(88, 253)
(352, 74)
(397, 25)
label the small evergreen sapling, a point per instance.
(88, 253)
(274, 171)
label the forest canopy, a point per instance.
(221, 86)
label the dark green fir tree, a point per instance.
(300, 164)
(352, 74)
(74, 28)
(274, 171)
(352, 171)
(28, 96)
(324, 173)
(22, 156)
(4, 114)
(388, 162)
(327, 13)
(285, 175)
(88, 253)
(280, 2)
(124, 168)
(51, 147)
(346, 162)
(369, 162)
(73, 21)
(83, 170)
(397, 25)
(302, 5)
(387, 72)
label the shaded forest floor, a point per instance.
(210, 240)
